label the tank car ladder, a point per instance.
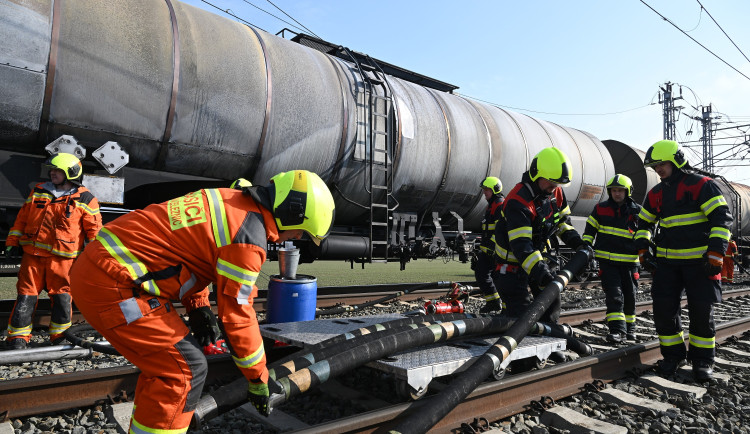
(379, 167)
(377, 123)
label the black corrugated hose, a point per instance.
(71, 334)
(423, 416)
(298, 382)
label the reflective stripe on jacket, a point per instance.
(530, 217)
(613, 227)
(692, 214)
(491, 215)
(47, 225)
(177, 248)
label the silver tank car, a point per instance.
(188, 92)
(191, 96)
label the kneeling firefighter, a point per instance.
(535, 210)
(124, 281)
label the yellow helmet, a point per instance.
(68, 163)
(665, 150)
(241, 183)
(552, 164)
(302, 201)
(621, 181)
(493, 184)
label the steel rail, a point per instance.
(504, 398)
(38, 395)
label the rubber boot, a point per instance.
(702, 371)
(668, 367)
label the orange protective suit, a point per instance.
(727, 269)
(124, 281)
(52, 229)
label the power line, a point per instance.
(700, 15)
(722, 30)
(693, 39)
(313, 33)
(266, 12)
(227, 11)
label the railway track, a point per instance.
(492, 400)
(328, 296)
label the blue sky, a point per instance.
(574, 62)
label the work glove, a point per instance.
(712, 263)
(204, 326)
(586, 247)
(543, 275)
(647, 260)
(13, 252)
(545, 278)
(259, 394)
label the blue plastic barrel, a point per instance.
(291, 300)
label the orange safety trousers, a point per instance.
(155, 339)
(727, 270)
(38, 273)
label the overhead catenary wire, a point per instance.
(284, 12)
(232, 14)
(694, 40)
(703, 8)
(269, 13)
(227, 11)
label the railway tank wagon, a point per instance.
(196, 100)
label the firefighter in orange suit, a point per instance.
(124, 281)
(51, 228)
(727, 269)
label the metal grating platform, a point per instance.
(417, 366)
(305, 333)
(420, 365)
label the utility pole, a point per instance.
(666, 99)
(707, 139)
